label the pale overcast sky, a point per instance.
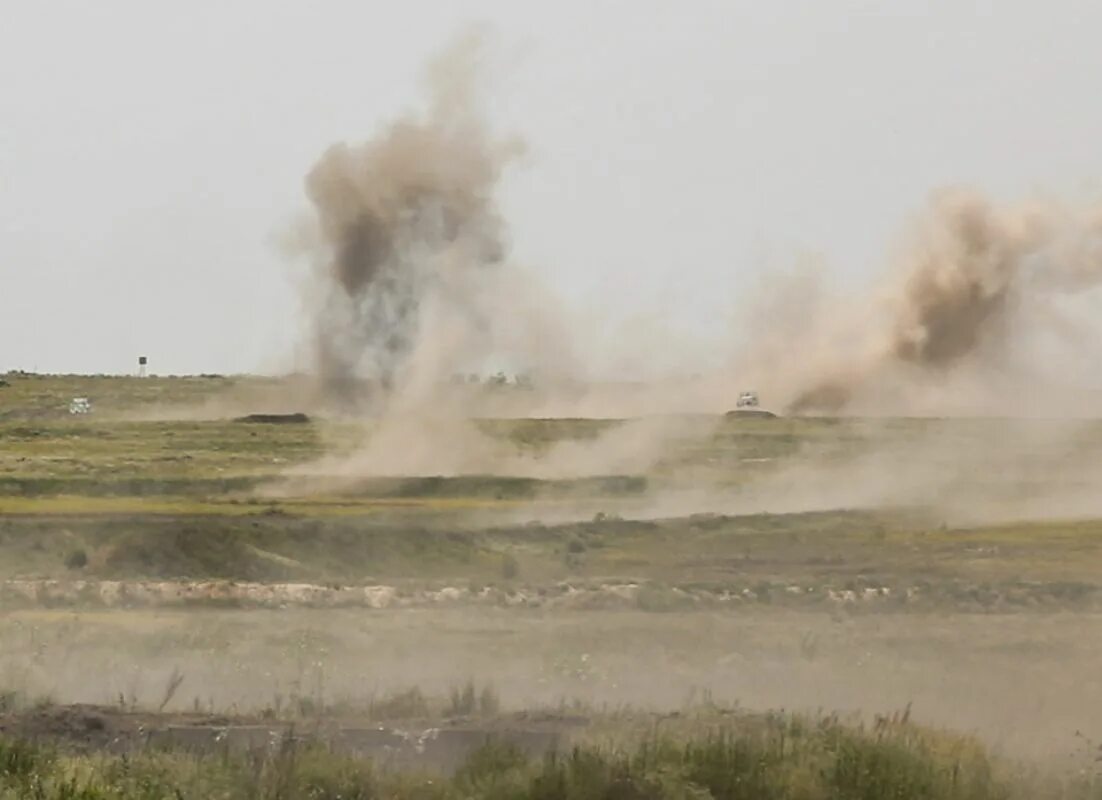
(151, 152)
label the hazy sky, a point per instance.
(151, 153)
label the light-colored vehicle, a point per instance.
(747, 400)
(80, 405)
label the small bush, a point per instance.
(21, 761)
(76, 559)
(488, 701)
(10, 700)
(408, 704)
(463, 700)
(466, 700)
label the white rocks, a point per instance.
(116, 594)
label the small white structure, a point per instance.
(747, 400)
(80, 405)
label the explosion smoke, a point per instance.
(972, 277)
(408, 214)
(411, 280)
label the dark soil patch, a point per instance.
(409, 743)
(298, 418)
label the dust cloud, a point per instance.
(981, 305)
(412, 283)
(959, 472)
(962, 671)
(411, 280)
(412, 286)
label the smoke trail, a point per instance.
(975, 281)
(404, 216)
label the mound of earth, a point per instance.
(759, 413)
(297, 418)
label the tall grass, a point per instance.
(772, 759)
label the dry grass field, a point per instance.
(743, 599)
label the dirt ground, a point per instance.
(1025, 681)
(221, 572)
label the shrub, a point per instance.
(408, 704)
(76, 559)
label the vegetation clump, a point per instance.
(768, 758)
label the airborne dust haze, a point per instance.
(413, 282)
(984, 311)
(411, 275)
(978, 313)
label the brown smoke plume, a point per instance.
(975, 283)
(404, 217)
